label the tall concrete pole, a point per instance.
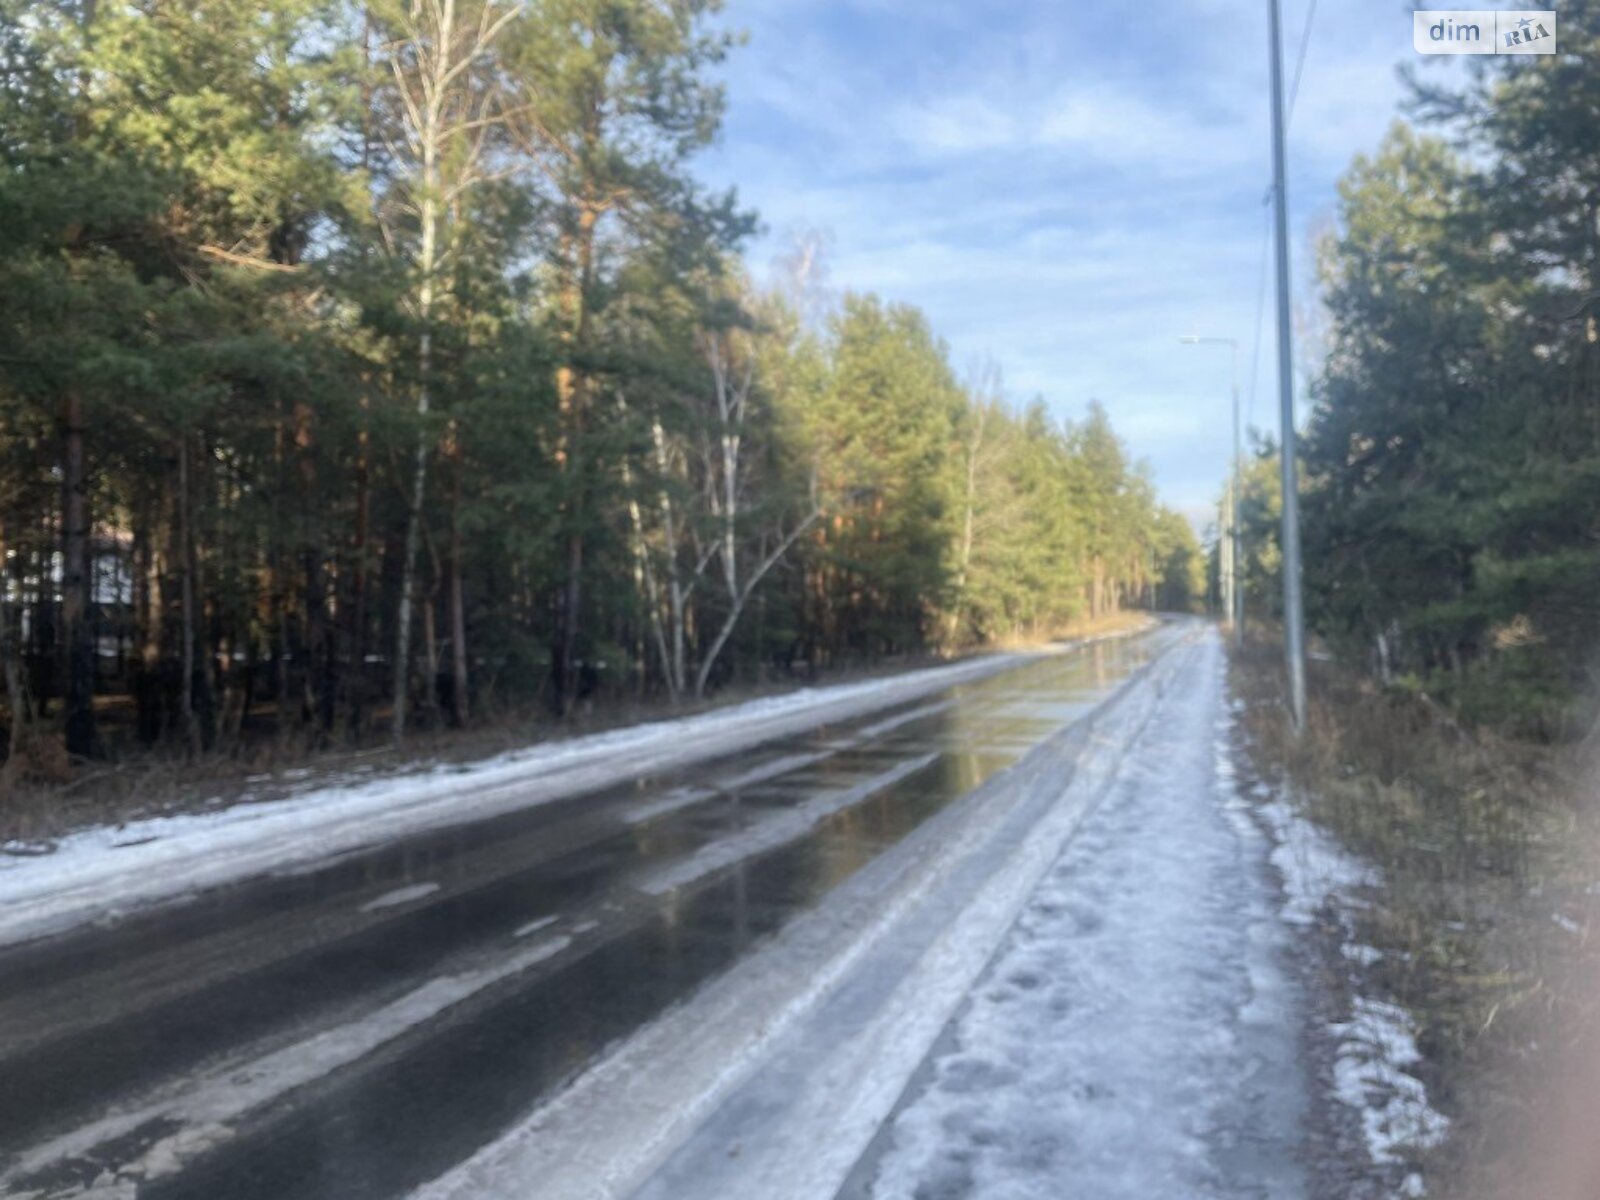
(1237, 615)
(1228, 572)
(1293, 602)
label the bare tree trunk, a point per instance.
(732, 395)
(408, 565)
(458, 617)
(359, 567)
(20, 736)
(644, 570)
(677, 593)
(568, 620)
(77, 583)
(430, 652)
(447, 115)
(968, 518)
(156, 640)
(77, 595)
(281, 651)
(321, 654)
(427, 262)
(572, 402)
(743, 597)
(354, 679)
(191, 726)
(322, 664)
(458, 640)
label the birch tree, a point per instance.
(619, 103)
(744, 560)
(450, 100)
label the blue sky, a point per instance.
(1064, 188)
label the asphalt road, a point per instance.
(353, 1029)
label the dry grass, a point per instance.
(1486, 846)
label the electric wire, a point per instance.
(1266, 216)
(1300, 62)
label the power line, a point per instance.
(1266, 216)
(1300, 62)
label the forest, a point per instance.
(373, 367)
(1451, 464)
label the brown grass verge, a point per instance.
(1486, 912)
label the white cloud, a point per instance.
(1068, 212)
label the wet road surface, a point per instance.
(353, 1029)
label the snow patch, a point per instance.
(399, 896)
(1374, 1045)
(1321, 878)
(100, 873)
(890, 724)
(1316, 870)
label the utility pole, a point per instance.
(1225, 553)
(1232, 555)
(1236, 497)
(1293, 604)
(1229, 552)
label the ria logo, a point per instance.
(1484, 31)
(1527, 31)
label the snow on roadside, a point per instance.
(1316, 870)
(1376, 1045)
(1133, 1032)
(101, 872)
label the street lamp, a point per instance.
(1234, 581)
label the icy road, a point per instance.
(1012, 937)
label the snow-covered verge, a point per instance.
(1374, 1045)
(1135, 1036)
(771, 1081)
(103, 872)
